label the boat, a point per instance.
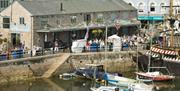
(161, 57)
(108, 88)
(141, 87)
(154, 73)
(118, 80)
(145, 80)
(131, 84)
(155, 76)
(90, 71)
(66, 76)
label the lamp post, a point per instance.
(31, 36)
(106, 30)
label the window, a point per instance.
(100, 18)
(87, 18)
(162, 7)
(4, 3)
(57, 21)
(178, 11)
(6, 22)
(113, 17)
(140, 7)
(21, 20)
(152, 7)
(73, 19)
(44, 24)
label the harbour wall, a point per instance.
(34, 67)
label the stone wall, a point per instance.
(113, 62)
(30, 69)
(23, 70)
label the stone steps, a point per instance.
(58, 62)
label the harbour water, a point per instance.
(56, 84)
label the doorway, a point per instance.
(15, 39)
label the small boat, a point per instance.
(91, 71)
(118, 80)
(108, 88)
(155, 75)
(131, 84)
(141, 87)
(66, 76)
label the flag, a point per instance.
(87, 34)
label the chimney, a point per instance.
(61, 7)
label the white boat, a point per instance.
(133, 85)
(140, 87)
(118, 80)
(66, 76)
(108, 88)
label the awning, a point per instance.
(150, 18)
(163, 51)
(90, 26)
(58, 29)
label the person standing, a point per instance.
(56, 46)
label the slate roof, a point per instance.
(73, 6)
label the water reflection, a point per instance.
(56, 84)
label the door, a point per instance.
(15, 39)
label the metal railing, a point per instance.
(16, 54)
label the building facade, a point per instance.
(36, 23)
(155, 10)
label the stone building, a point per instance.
(36, 23)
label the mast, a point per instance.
(171, 20)
(149, 60)
(171, 9)
(106, 47)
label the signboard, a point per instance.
(19, 28)
(150, 17)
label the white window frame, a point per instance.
(140, 7)
(6, 23)
(21, 20)
(162, 9)
(152, 7)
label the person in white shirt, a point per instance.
(56, 46)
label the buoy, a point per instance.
(84, 84)
(60, 76)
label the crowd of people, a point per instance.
(126, 42)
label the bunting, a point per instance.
(163, 51)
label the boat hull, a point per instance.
(173, 67)
(150, 75)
